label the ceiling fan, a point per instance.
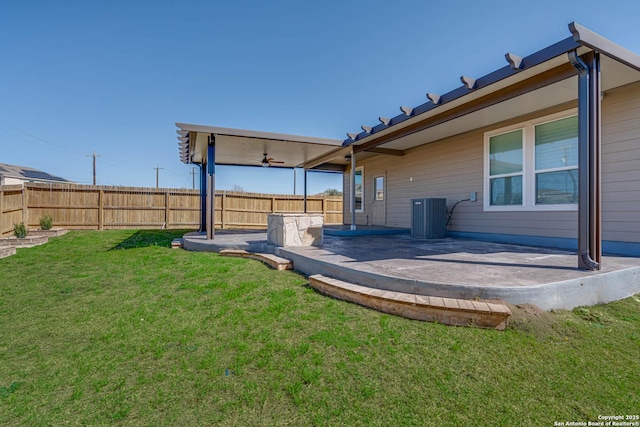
(268, 161)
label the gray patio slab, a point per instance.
(457, 268)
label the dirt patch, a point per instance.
(543, 325)
(530, 310)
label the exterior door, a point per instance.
(379, 216)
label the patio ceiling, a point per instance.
(534, 83)
(241, 147)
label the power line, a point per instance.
(180, 175)
(118, 163)
(94, 155)
(50, 145)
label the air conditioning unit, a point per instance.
(429, 218)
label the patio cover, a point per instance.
(210, 146)
(239, 147)
(547, 78)
(543, 79)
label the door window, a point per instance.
(378, 188)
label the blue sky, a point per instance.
(113, 77)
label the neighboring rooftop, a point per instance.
(10, 174)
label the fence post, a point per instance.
(25, 206)
(1, 208)
(324, 208)
(100, 209)
(224, 208)
(166, 209)
(273, 204)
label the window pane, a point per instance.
(555, 188)
(358, 203)
(506, 191)
(358, 192)
(379, 188)
(557, 144)
(505, 153)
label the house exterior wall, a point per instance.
(454, 167)
(621, 164)
(7, 180)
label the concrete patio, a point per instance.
(453, 268)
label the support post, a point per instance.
(352, 192)
(203, 197)
(305, 190)
(595, 142)
(589, 119)
(211, 187)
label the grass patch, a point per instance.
(116, 327)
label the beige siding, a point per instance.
(621, 164)
(452, 168)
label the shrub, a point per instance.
(46, 222)
(20, 230)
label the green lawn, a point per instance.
(115, 327)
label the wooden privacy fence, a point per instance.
(101, 208)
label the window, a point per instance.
(533, 165)
(378, 188)
(556, 162)
(359, 181)
(505, 168)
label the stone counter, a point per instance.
(295, 229)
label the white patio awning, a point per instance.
(239, 147)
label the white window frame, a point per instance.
(361, 210)
(528, 166)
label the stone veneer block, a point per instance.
(295, 229)
(24, 242)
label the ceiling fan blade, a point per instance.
(268, 161)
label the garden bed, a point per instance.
(8, 245)
(54, 232)
(24, 242)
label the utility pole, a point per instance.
(193, 177)
(94, 155)
(157, 173)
